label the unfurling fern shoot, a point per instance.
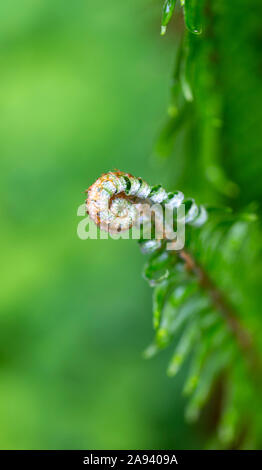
(114, 204)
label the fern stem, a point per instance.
(224, 307)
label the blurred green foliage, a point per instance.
(84, 89)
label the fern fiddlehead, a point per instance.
(114, 200)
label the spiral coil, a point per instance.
(113, 203)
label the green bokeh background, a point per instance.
(83, 89)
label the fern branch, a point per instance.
(222, 305)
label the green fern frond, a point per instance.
(192, 10)
(199, 304)
(202, 308)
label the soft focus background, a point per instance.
(83, 89)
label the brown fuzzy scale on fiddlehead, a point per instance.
(114, 199)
